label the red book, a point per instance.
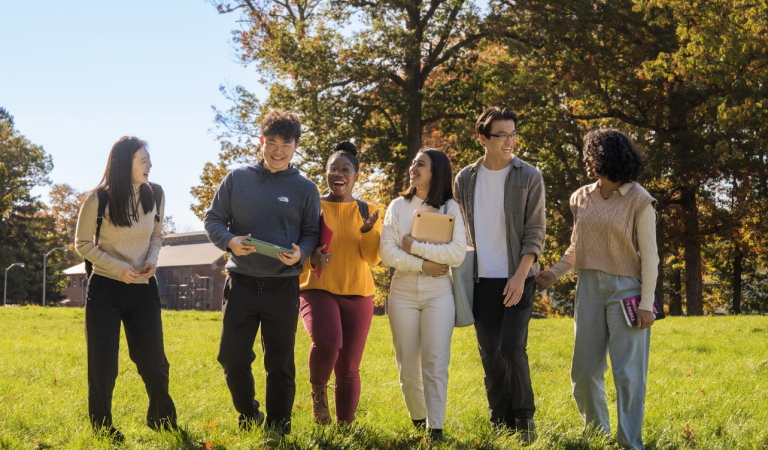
(629, 307)
(325, 238)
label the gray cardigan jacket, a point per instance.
(523, 207)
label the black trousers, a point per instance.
(502, 337)
(137, 306)
(273, 304)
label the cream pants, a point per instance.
(421, 316)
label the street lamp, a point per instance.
(5, 285)
(45, 262)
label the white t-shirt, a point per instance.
(490, 224)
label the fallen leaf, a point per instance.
(210, 425)
(300, 406)
(703, 394)
(688, 434)
(688, 374)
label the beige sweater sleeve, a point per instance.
(645, 229)
(156, 240)
(84, 236)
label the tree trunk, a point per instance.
(692, 246)
(738, 259)
(676, 296)
(660, 282)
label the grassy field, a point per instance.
(708, 389)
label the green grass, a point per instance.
(708, 389)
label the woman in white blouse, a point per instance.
(421, 308)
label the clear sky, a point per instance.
(77, 75)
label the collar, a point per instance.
(516, 163)
(623, 189)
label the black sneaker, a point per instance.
(420, 424)
(527, 430)
(247, 422)
(111, 433)
(436, 434)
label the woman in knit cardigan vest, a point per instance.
(337, 306)
(613, 246)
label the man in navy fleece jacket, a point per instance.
(273, 202)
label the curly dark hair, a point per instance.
(282, 123)
(490, 115)
(611, 154)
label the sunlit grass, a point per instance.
(708, 389)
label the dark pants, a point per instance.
(338, 326)
(138, 307)
(502, 337)
(272, 303)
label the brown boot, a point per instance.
(320, 412)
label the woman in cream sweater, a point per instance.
(337, 306)
(122, 288)
(613, 246)
(421, 307)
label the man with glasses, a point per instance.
(502, 200)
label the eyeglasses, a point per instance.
(504, 137)
(346, 171)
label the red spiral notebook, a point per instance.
(325, 238)
(629, 307)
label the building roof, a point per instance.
(76, 270)
(182, 249)
(188, 255)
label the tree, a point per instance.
(674, 74)
(399, 68)
(65, 202)
(27, 232)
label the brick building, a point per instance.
(189, 274)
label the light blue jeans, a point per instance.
(601, 329)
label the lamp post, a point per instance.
(5, 284)
(45, 262)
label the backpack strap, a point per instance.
(103, 196)
(363, 208)
(158, 191)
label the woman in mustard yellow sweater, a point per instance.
(337, 307)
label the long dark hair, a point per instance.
(441, 184)
(118, 182)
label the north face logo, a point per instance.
(283, 199)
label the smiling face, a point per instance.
(277, 152)
(502, 147)
(341, 176)
(420, 174)
(141, 166)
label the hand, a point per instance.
(320, 259)
(407, 243)
(290, 259)
(238, 248)
(513, 291)
(148, 271)
(434, 269)
(128, 275)
(645, 319)
(369, 222)
(545, 279)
